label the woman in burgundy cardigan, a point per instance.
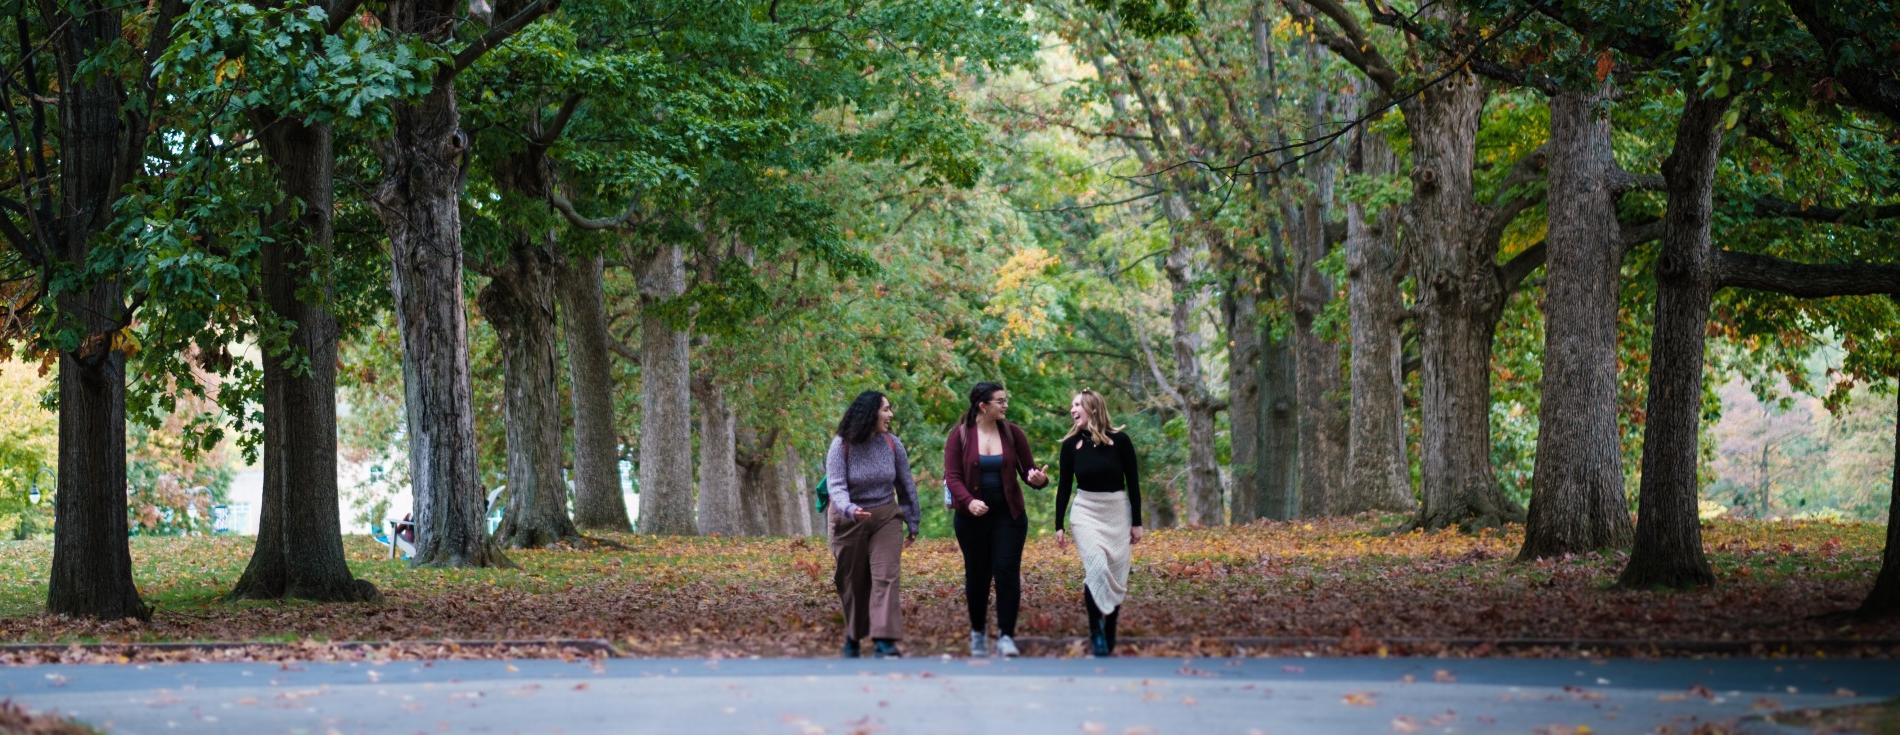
(982, 460)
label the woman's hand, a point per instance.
(978, 507)
(1037, 477)
(1134, 535)
(861, 514)
(1062, 541)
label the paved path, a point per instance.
(806, 697)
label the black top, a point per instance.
(1099, 469)
(989, 481)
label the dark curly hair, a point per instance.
(860, 420)
(980, 394)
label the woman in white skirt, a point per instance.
(1099, 459)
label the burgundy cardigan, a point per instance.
(959, 462)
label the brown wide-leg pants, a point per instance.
(867, 552)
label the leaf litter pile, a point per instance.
(1334, 587)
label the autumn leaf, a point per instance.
(1604, 64)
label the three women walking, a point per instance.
(986, 460)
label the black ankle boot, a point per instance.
(1108, 629)
(1098, 639)
(851, 649)
(885, 648)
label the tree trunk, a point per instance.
(299, 550)
(1668, 550)
(1280, 457)
(519, 301)
(666, 430)
(1322, 424)
(1884, 600)
(1459, 299)
(598, 503)
(1376, 475)
(1203, 492)
(719, 507)
(1240, 306)
(801, 516)
(1577, 500)
(418, 205)
(92, 562)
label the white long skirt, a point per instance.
(1099, 523)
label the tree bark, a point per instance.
(1459, 299)
(801, 517)
(598, 503)
(1279, 498)
(1203, 492)
(666, 431)
(1884, 599)
(1240, 306)
(1322, 417)
(92, 562)
(719, 508)
(759, 503)
(1668, 549)
(1577, 500)
(519, 301)
(418, 205)
(299, 550)
(1377, 477)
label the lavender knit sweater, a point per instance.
(878, 476)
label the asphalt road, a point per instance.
(1115, 696)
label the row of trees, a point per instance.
(1598, 152)
(1316, 245)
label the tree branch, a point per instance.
(1637, 233)
(1805, 280)
(499, 33)
(575, 218)
(1525, 172)
(553, 131)
(1772, 207)
(1355, 46)
(1511, 275)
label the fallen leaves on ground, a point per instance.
(1341, 587)
(17, 720)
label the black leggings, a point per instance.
(992, 547)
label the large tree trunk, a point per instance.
(418, 205)
(92, 563)
(1245, 411)
(1668, 550)
(1280, 456)
(1376, 475)
(1884, 600)
(801, 516)
(1458, 303)
(1203, 492)
(1577, 501)
(1322, 416)
(299, 551)
(666, 430)
(598, 503)
(519, 301)
(719, 508)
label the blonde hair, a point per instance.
(1095, 420)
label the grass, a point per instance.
(1344, 580)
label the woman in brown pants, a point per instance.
(874, 515)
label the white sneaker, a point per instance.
(980, 644)
(1006, 647)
